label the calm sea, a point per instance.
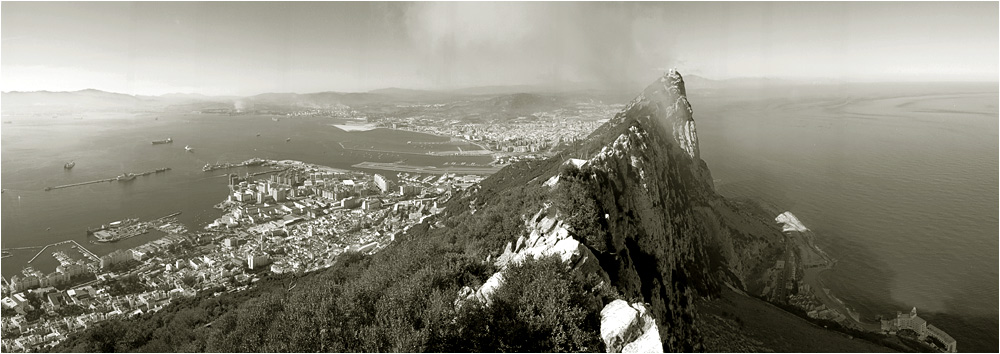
(34, 150)
(899, 182)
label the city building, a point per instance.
(409, 190)
(116, 257)
(233, 242)
(381, 183)
(918, 325)
(371, 204)
(279, 194)
(258, 260)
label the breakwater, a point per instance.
(118, 178)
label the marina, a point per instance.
(76, 245)
(124, 177)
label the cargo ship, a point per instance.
(216, 166)
(253, 162)
(164, 141)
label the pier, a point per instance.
(147, 173)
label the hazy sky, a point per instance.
(249, 48)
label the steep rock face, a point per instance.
(645, 180)
(655, 208)
(637, 205)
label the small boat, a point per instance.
(69, 165)
(258, 134)
(287, 140)
(189, 148)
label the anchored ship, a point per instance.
(164, 141)
(211, 167)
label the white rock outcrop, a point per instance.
(547, 236)
(687, 138)
(629, 328)
(791, 223)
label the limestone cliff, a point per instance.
(661, 233)
(636, 205)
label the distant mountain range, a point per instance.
(520, 95)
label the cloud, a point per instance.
(506, 43)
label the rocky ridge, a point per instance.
(638, 207)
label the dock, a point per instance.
(147, 173)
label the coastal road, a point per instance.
(814, 262)
(780, 291)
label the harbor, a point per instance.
(121, 178)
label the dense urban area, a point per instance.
(294, 218)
